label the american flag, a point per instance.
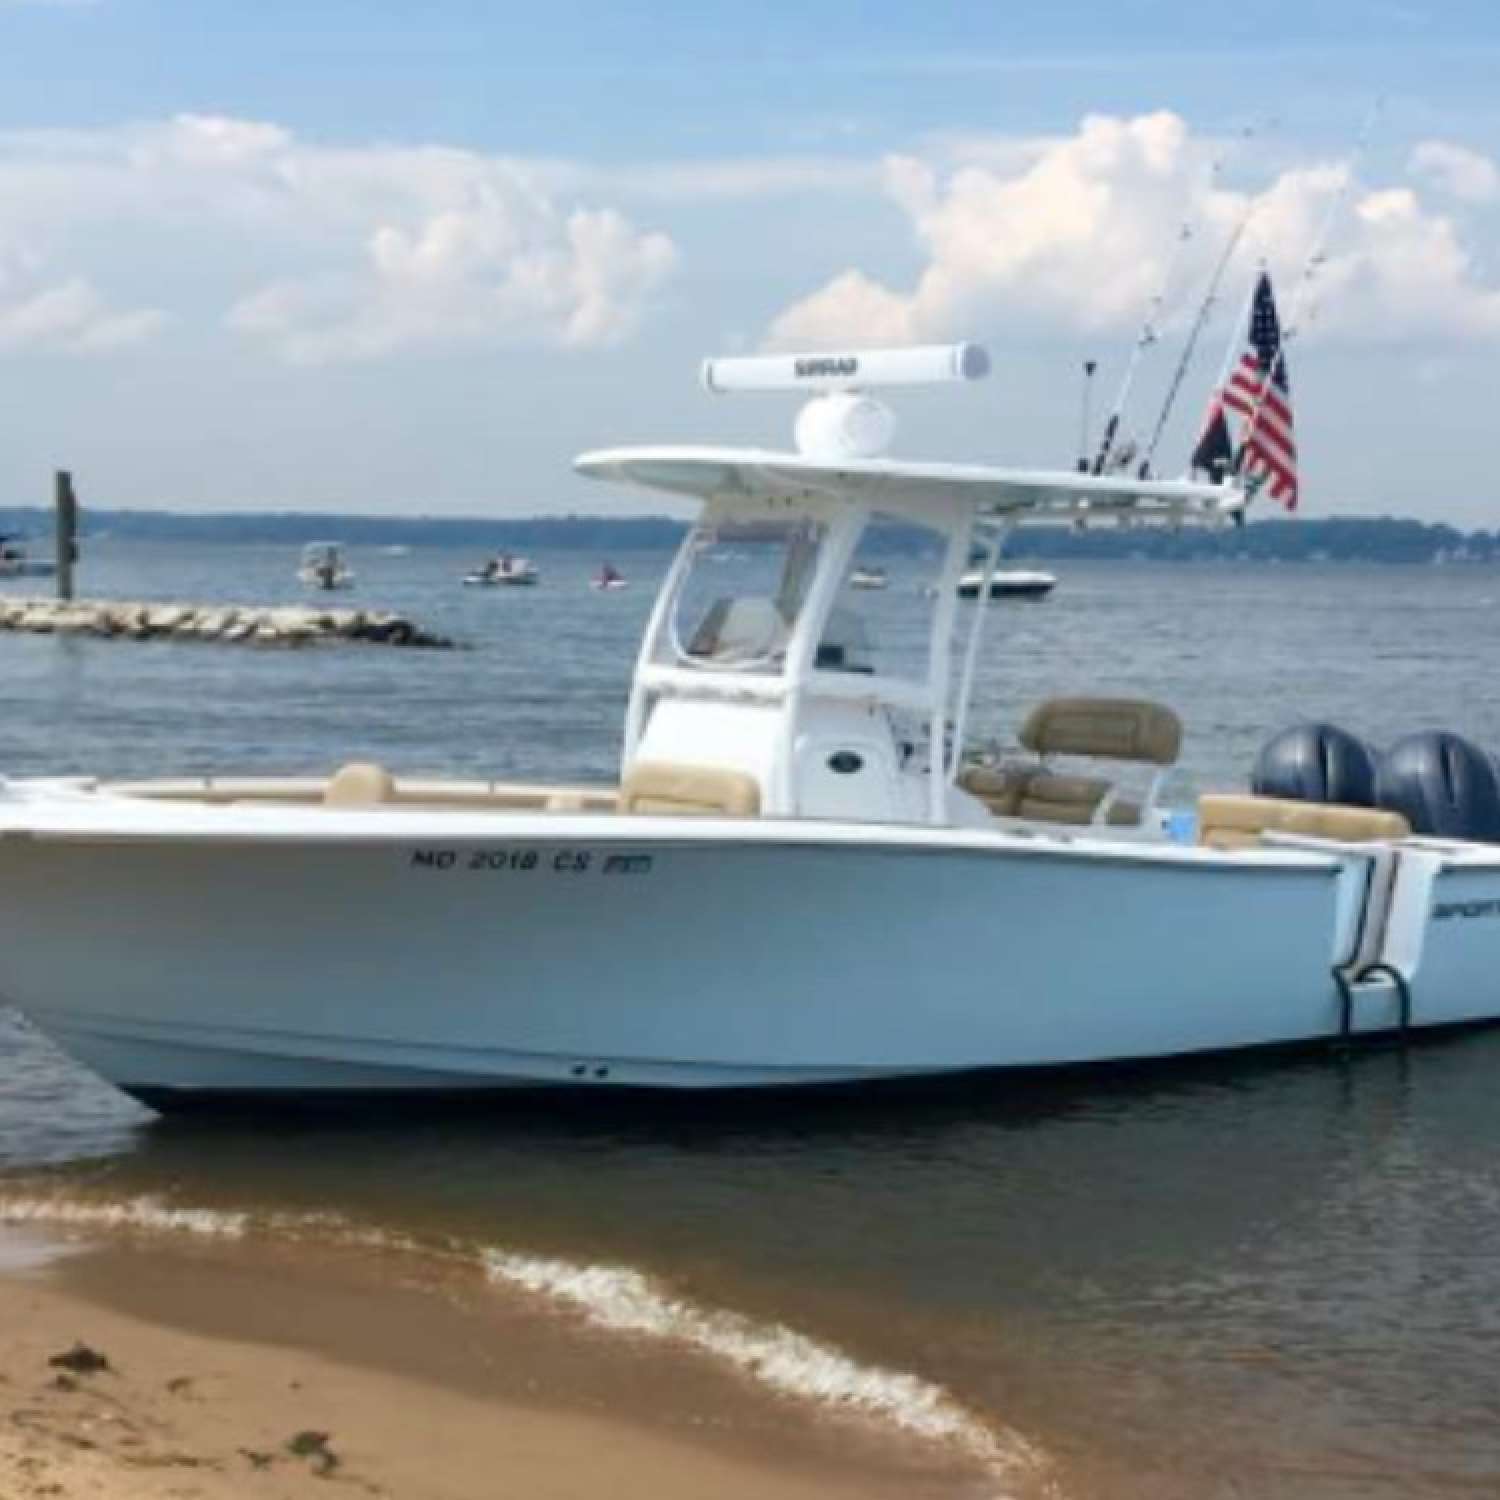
(1260, 392)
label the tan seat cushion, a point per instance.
(1112, 728)
(998, 787)
(670, 787)
(360, 783)
(1235, 821)
(1052, 798)
(1030, 792)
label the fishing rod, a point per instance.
(1200, 323)
(1149, 334)
(1089, 366)
(1317, 256)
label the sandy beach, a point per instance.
(122, 1375)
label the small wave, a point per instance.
(144, 1213)
(615, 1299)
(621, 1300)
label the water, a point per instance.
(1243, 1278)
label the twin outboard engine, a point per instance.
(1316, 763)
(1443, 785)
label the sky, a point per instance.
(413, 258)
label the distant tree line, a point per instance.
(1369, 539)
(588, 533)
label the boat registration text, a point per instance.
(527, 861)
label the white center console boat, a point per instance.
(1007, 583)
(799, 877)
(323, 566)
(504, 571)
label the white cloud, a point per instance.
(72, 318)
(1410, 274)
(1072, 232)
(1466, 174)
(66, 317)
(343, 252)
(502, 268)
(323, 253)
(1076, 235)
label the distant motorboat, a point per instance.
(608, 579)
(503, 571)
(323, 566)
(1010, 583)
(868, 578)
(15, 563)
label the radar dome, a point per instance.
(844, 425)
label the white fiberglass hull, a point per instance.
(222, 949)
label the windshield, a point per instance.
(881, 621)
(740, 597)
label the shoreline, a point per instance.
(221, 1361)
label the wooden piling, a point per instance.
(67, 532)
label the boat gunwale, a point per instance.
(362, 827)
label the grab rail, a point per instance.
(1347, 984)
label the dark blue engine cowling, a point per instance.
(1442, 785)
(1316, 763)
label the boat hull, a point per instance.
(613, 954)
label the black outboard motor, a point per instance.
(1316, 763)
(1442, 785)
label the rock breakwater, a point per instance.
(253, 625)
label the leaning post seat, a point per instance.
(1107, 728)
(1236, 821)
(1119, 729)
(670, 787)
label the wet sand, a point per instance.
(232, 1375)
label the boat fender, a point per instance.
(1443, 785)
(1316, 762)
